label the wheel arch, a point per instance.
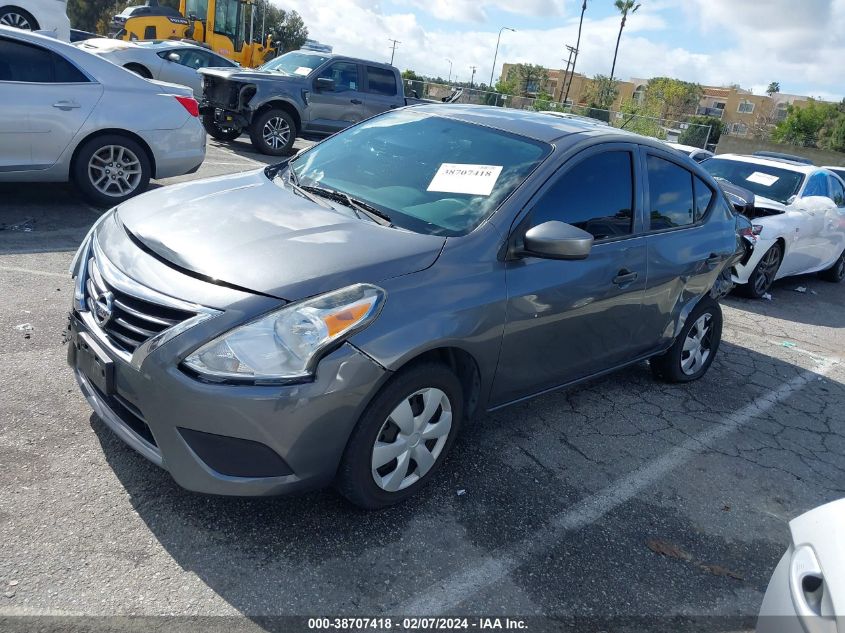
(119, 132)
(147, 73)
(282, 104)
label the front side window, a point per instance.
(33, 64)
(816, 186)
(196, 8)
(193, 59)
(769, 182)
(226, 18)
(381, 81)
(670, 194)
(596, 195)
(429, 174)
(295, 63)
(837, 191)
(344, 75)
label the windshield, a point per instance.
(295, 63)
(426, 173)
(761, 180)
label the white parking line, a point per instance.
(30, 271)
(439, 598)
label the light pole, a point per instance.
(449, 81)
(496, 54)
(393, 49)
(472, 79)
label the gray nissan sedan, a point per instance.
(334, 319)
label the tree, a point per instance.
(412, 76)
(287, 28)
(817, 124)
(672, 98)
(601, 92)
(624, 7)
(773, 88)
(530, 78)
(696, 133)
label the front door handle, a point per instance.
(66, 105)
(624, 278)
(712, 261)
(356, 101)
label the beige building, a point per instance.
(744, 113)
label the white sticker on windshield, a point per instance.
(767, 180)
(477, 180)
(302, 70)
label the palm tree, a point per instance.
(773, 88)
(625, 7)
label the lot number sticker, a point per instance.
(302, 70)
(477, 180)
(767, 180)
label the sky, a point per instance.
(798, 43)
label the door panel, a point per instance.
(15, 139)
(57, 111)
(334, 111)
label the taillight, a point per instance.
(190, 104)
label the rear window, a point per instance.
(381, 81)
(761, 180)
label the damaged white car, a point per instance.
(797, 212)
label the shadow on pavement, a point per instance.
(519, 469)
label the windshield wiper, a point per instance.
(293, 181)
(376, 215)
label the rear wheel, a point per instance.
(139, 70)
(18, 18)
(835, 273)
(764, 273)
(402, 437)
(110, 169)
(215, 130)
(273, 132)
(695, 347)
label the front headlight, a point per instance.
(284, 345)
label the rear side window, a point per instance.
(596, 196)
(381, 81)
(703, 196)
(670, 195)
(33, 64)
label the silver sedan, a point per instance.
(68, 115)
(165, 60)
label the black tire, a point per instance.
(274, 117)
(12, 16)
(139, 70)
(216, 131)
(835, 273)
(138, 180)
(763, 276)
(355, 478)
(670, 366)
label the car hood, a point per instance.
(247, 231)
(246, 74)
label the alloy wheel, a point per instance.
(767, 269)
(697, 345)
(114, 170)
(16, 20)
(276, 132)
(411, 439)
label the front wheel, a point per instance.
(110, 169)
(763, 276)
(835, 273)
(18, 18)
(402, 437)
(215, 130)
(273, 132)
(695, 347)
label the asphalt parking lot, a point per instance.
(622, 497)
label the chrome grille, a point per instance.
(132, 320)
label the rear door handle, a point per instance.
(66, 105)
(713, 261)
(356, 101)
(624, 278)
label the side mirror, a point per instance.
(324, 84)
(174, 57)
(557, 240)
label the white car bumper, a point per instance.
(177, 152)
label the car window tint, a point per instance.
(596, 195)
(837, 191)
(381, 81)
(65, 72)
(816, 185)
(670, 194)
(22, 62)
(193, 59)
(703, 196)
(344, 75)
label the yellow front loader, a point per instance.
(219, 25)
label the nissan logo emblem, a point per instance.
(103, 307)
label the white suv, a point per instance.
(48, 16)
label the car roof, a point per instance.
(534, 125)
(836, 168)
(771, 162)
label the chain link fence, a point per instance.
(683, 132)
